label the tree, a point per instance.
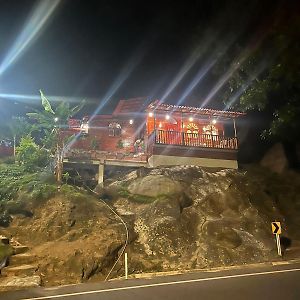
(269, 80)
(30, 154)
(50, 123)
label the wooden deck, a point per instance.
(162, 142)
(112, 158)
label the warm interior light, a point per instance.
(214, 121)
(160, 125)
(150, 114)
(191, 119)
(167, 117)
(130, 121)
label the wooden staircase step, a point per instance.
(20, 249)
(19, 282)
(24, 270)
(20, 259)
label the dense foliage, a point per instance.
(19, 188)
(16, 180)
(31, 155)
(50, 121)
(269, 79)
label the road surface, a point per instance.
(259, 282)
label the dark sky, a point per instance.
(108, 50)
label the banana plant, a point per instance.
(51, 121)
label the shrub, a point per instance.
(31, 155)
(7, 160)
(5, 219)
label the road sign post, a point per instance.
(276, 229)
(278, 245)
(126, 266)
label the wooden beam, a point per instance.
(234, 127)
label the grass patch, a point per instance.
(15, 180)
(73, 193)
(136, 197)
(141, 198)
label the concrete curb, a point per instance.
(216, 269)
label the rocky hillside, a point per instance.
(178, 218)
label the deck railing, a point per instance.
(193, 139)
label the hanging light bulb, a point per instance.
(150, 114)
(191, 119)
(167, 117)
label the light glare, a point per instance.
(34, 25)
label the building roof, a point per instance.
(156, 105)
(131, 106)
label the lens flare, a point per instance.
(32, 28)
(187, 66)
(126, 71)
(37, 98)
(199, 76)
(254, 43)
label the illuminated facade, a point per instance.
(141, 134)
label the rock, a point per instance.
(275, 159)
(219, 225)
(23, 270)
(154, 185)
(17, 282)
(195, 219)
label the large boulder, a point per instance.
(154, 185)
(218, 225)
(275, 159)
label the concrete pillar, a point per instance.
(101, 174)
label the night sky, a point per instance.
(111, 50)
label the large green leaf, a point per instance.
(77, 108)
(46, 104)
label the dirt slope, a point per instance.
(180, 217)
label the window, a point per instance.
(192, 130)
(114, 129)
(210, 129)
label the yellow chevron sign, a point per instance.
(276, 227)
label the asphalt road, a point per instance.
(259, 282)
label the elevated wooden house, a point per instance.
(157, 134)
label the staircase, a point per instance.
(21, 270)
